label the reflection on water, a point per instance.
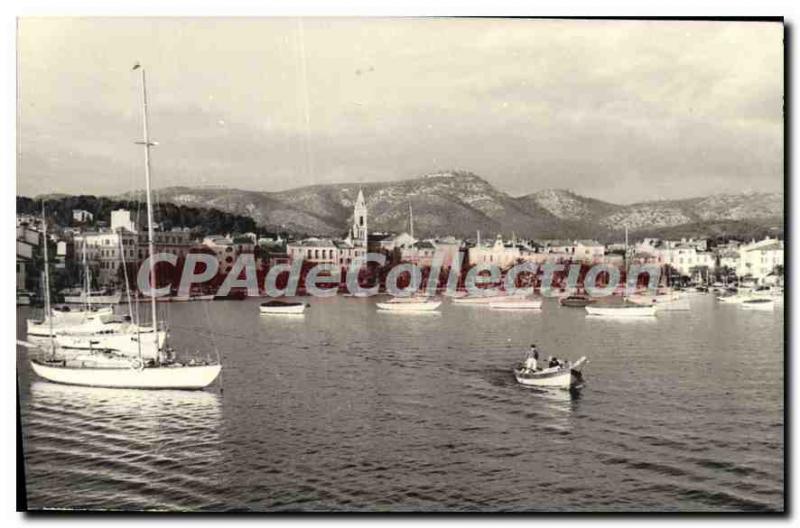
(122, 449)
(347, 408)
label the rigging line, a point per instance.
(303, 72)
(214, 344)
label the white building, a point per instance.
(123, 219)
(589, 251)
(106, 249)
(759, 259)
(82, 216)
(684, 258)
(500, 253)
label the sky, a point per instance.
(622, 111)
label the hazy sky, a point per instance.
(621, 111)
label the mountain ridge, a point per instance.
(461, 202)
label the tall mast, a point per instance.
(86, 278)
(625, 262)
(46, 272)
(151, 250)
(410, 220)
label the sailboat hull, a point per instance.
(166, 377)
(423, 306)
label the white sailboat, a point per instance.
(668, 301)
(103, 369)
(625, 309)
(409, 304)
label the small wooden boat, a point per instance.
(512, 303)
(621, 311)
(409, 304)
(758, 303)
(564, 376)
(282, 308)
(576, 301)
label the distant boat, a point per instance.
(622, 310)
(409, 304)
(576, 301)
(757, 303)
(187, 298)
(237, 295)
(625, 309)
(512, 303)
(282, 308)
(663, 301)
(485, 300)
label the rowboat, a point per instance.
(564, 376)
(282, 308)
(409, 304)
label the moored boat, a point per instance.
(576, 301)
(125, 374)
(666, 302)
(282, 308)
(758, 303)
(512, 303)
(409, 304)
(621, 310)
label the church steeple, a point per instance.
(359, 229)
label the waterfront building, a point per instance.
(106, 248)
(498, 253)
(760, 259)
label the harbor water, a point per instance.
(349, 409)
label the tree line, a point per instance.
(201, 220)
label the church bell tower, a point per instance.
(359, 229)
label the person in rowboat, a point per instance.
(532, 359)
